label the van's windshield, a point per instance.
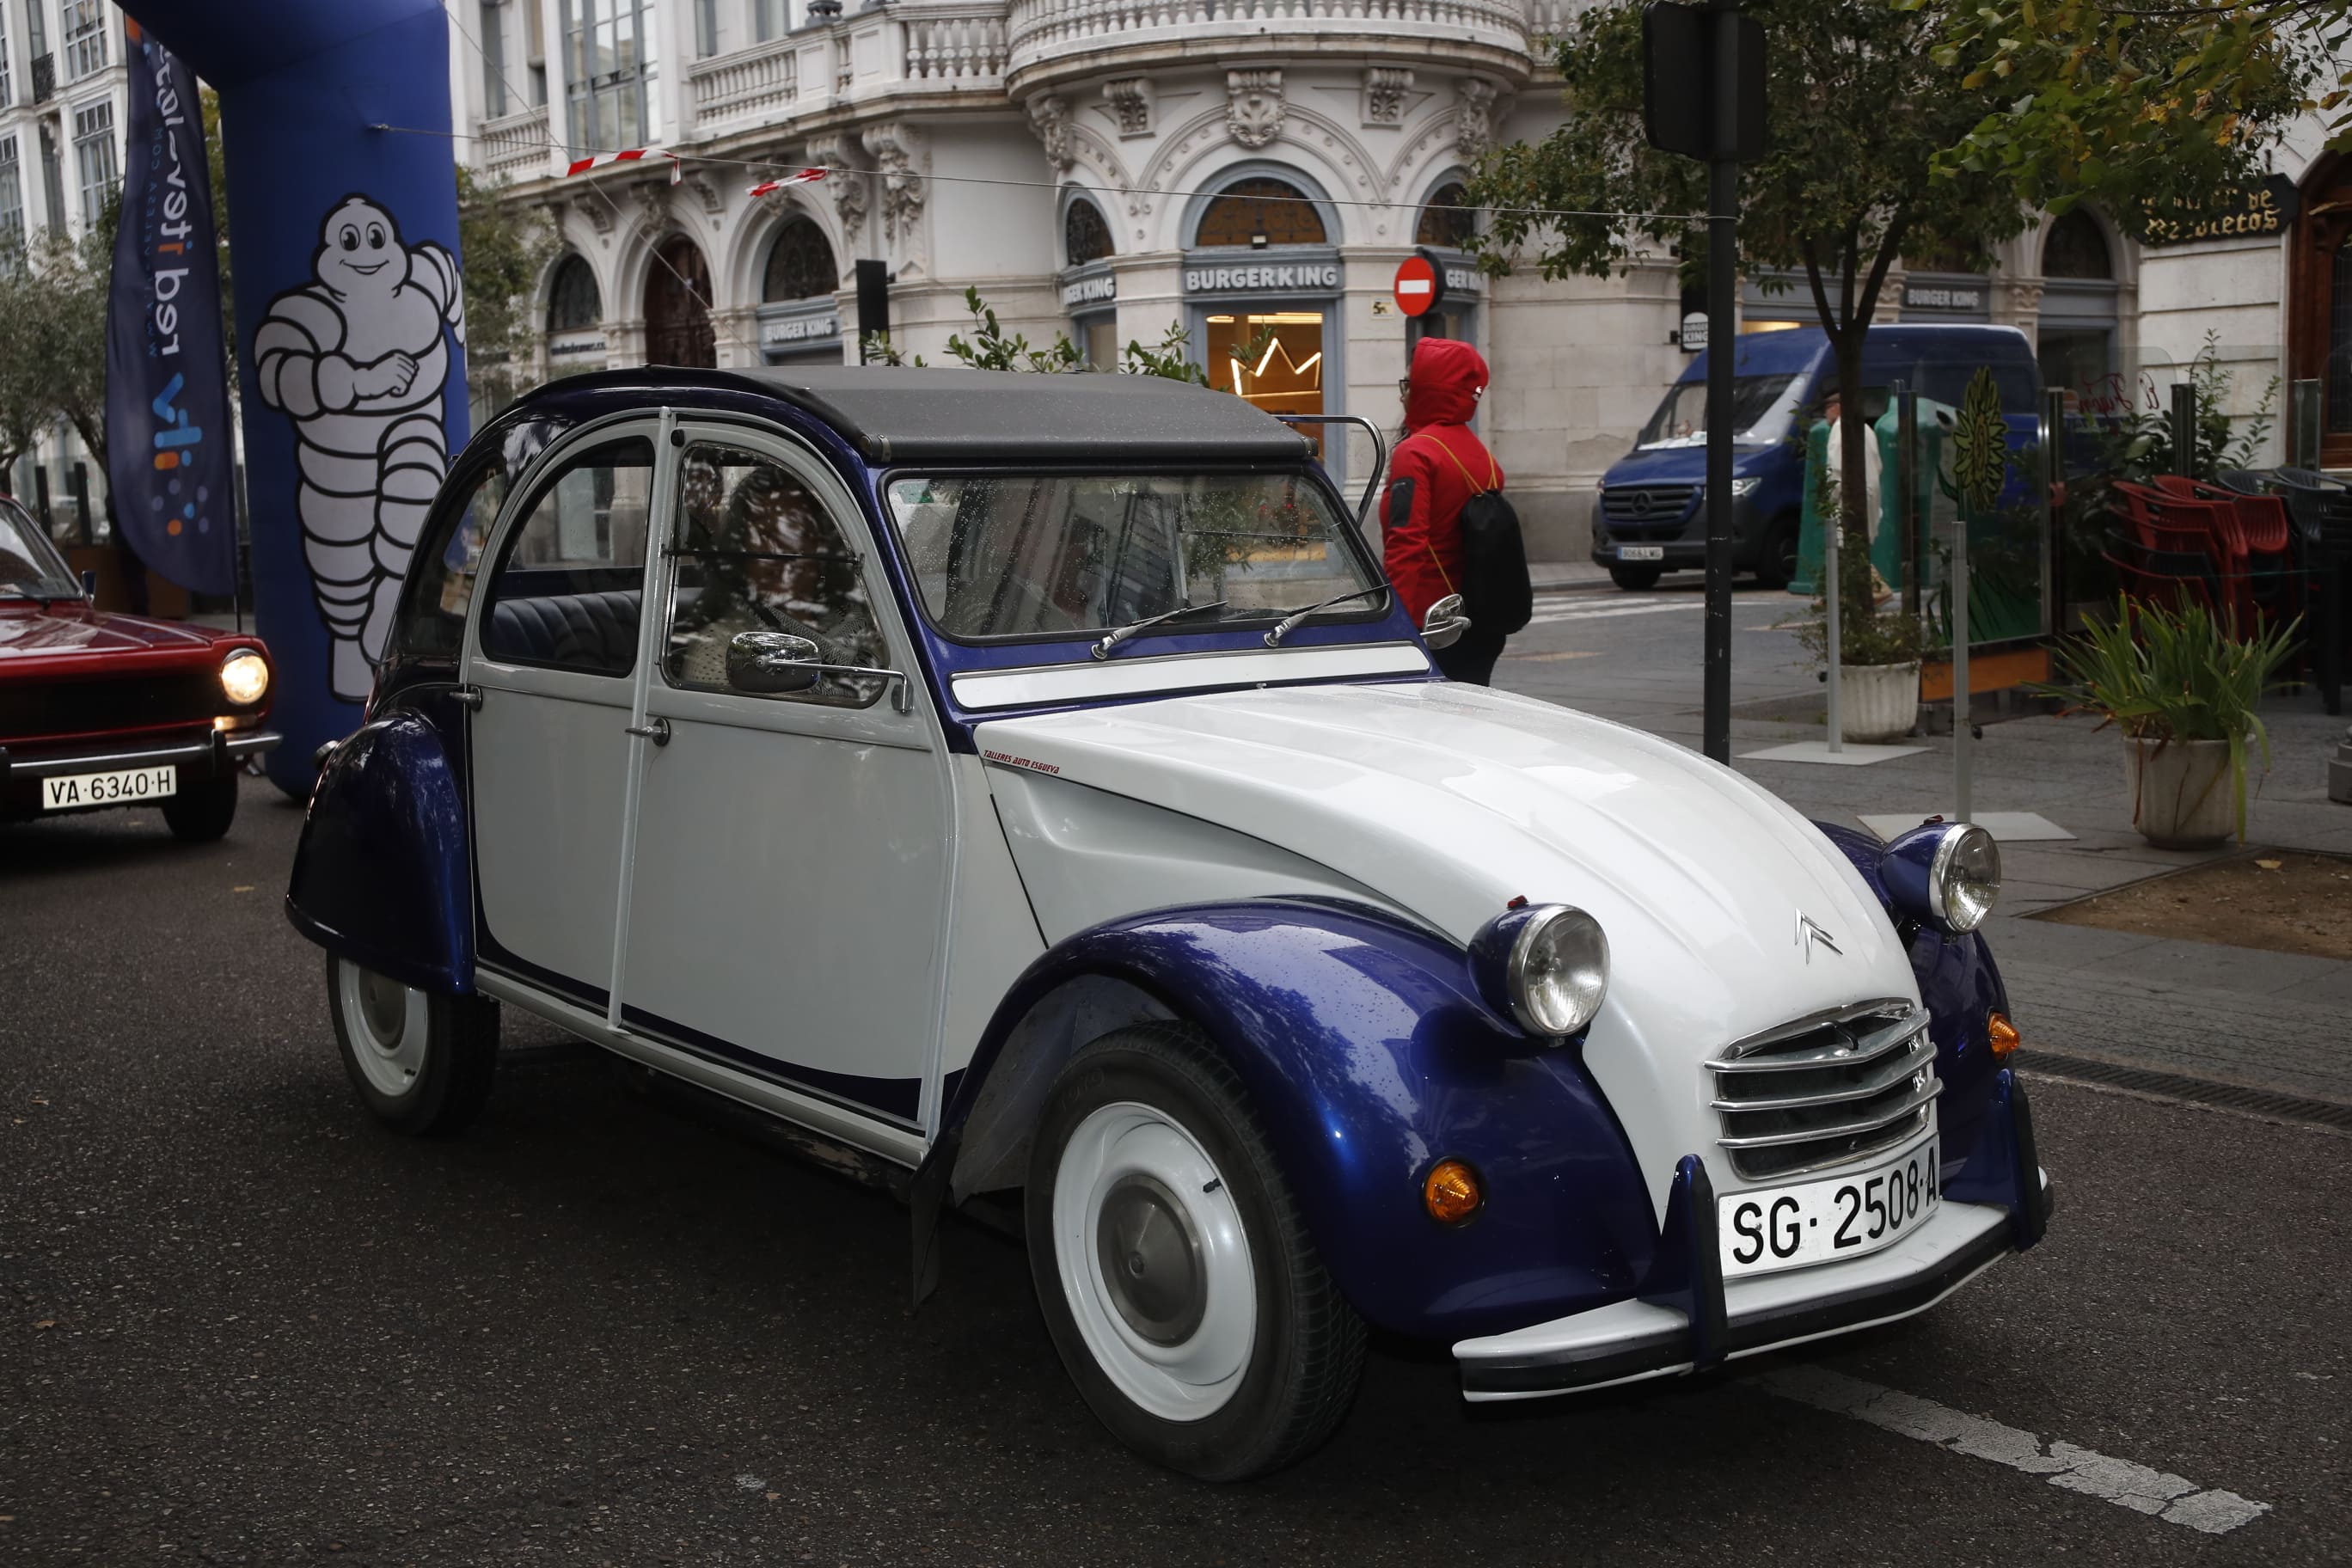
(1761, 408)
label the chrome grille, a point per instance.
(1640, 506)
(1825, 1091)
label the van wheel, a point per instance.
(1175, 1271)
(1776, 562)
(421, 1064)
(1636, 579)
(203, 812)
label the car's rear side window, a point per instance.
(570, 579)
(441, 574)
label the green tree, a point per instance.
(1861, 115)
(1858, 115)
(989, 348)
(2137, 105)
(504, 250)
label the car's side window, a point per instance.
(757, 552)
(448, 555)
(571, 577)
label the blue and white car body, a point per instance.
(897, 918)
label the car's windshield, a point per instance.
(1761, 407)
(1014, 555)
(30, 566)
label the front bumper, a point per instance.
(200, 756)
(1634, 1339)
(1686, 1316)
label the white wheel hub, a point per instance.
(1154, 1262)
(388, 1027)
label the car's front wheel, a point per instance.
(1636, 579)
(201, 812)
(421, 1063)
(1175, 1268)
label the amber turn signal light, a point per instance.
(1452, 1193)
(2002, 1035)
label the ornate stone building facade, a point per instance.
(1251, 171)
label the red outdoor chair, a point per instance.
(2262, 542)
(2174, 578)
(2171, 523)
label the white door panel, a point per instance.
(549, 775)
(785, 903)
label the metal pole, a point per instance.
(2054, 480)
(1831, 545)
(1906, 480)
(2302, 425)
(1722, 285)
(1961, 806)
(2184, 430)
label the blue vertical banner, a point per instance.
(168, 459)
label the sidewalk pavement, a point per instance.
(2276, 1023)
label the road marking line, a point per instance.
(1586, 653)
(2172, 1499)
(1555, 616)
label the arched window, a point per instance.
(1448, 222)
(2076, 248)
(572, 301)
(1084, 236)
(1262, 212)
(800, 264)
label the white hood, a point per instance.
(1451, 800)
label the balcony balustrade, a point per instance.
(517, 146)
(747, 87)
(1044, 32)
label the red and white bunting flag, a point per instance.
(806, 176)
(582, 165)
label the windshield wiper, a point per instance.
(1112, 639)
(1293, 619)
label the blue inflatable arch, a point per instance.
(350, 336)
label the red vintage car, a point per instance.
(100, 709)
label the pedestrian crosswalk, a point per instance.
(1552, 609)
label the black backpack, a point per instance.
(1497, 594)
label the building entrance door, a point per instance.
(678, 308)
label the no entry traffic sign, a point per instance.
(1419, 284)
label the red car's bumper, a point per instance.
(196, 757)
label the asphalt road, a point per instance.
(239, 1323)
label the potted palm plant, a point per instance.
(2185, 693)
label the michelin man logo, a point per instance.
(356, 358)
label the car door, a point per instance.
(553, 650)
(792, 849)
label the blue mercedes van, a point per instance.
(1650, 516)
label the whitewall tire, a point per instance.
(421, 1063)
(1175, 1273)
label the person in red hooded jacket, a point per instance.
(1433, 472)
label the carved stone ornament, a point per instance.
(714, 202)
(1130, 98)
(654, 199)
(1253, 107)
(1049, 117)
(903, 161)
(1473, 120)
(1385, 88)
(851, 189)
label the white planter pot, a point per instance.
(1878, 702)
(2181, 792)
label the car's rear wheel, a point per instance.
(1636, 579)
(421, 1063)
(203, 812)
(1175, 1268)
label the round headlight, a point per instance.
(1559, 971)
(245, 678)
(1964, 882)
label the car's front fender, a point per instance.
(1367, 1056)
(383, 875)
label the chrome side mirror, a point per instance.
(1445, 623)
(773, 662)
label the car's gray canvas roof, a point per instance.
(945, 416)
